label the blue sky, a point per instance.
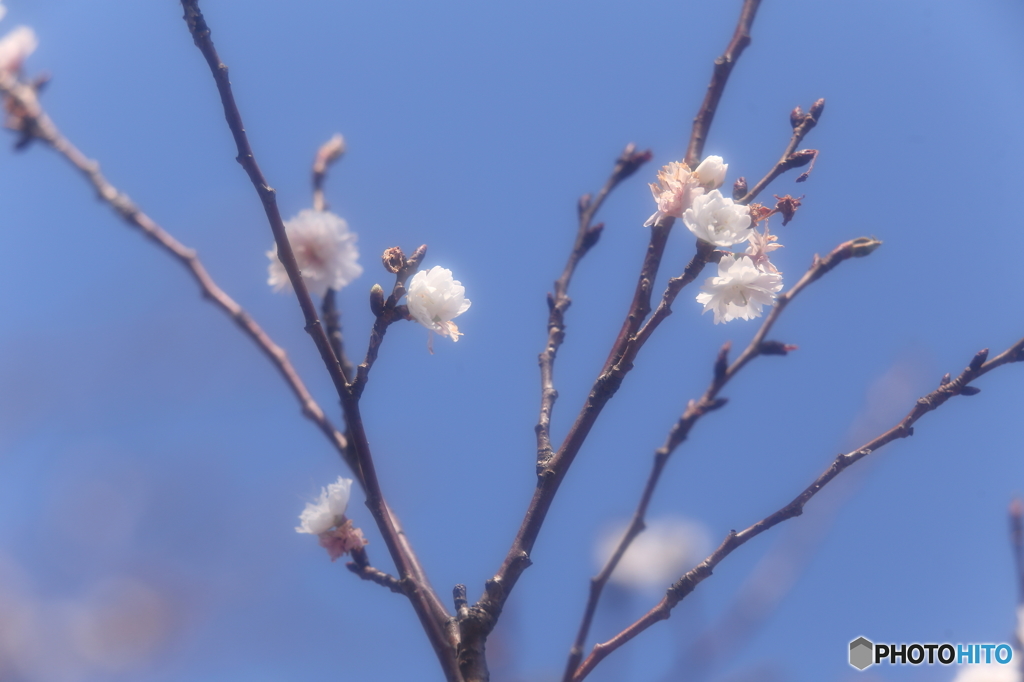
(150, 456)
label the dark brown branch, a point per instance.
(620, 359)
(905, 428)
(694, 411)
(425, 602)
(360, 565)
(44, 130)
(332, 320)
(791, 158)
(587, 235)
(387, 312)
(719, 77)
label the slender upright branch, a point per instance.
(587, 234)
(905, 428)
(328, 153)
(791, 158)
(554, 468)
(425, 602)
(719, 77)
(694, 411)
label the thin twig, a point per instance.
(694, 411)
(685, 585)
(587, 235)
(791, 158)
(387, 312)
(328, 153)
(427, 605)
(44, 130)
(360, 565)
(549, 476)
(719, 77)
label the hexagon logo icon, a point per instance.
(861, 653)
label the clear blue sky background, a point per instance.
(148, 449)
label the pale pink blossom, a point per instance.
(674, 192)
(15, 47)
(740, 290)
(434, 298)
(342, 540)
(759, 246)
(324, 249)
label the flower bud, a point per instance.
(863, 246)
(739, 188)
(377, 300)
(816, 109)
(328, 153)
(711, 172)
(796, 117)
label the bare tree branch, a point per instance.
(791, 158)
(905, 428)
(587, 235)
(42, 128)
(719, 77)
(553, 468)
(428, 607)
(694, 411)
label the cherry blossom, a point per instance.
(740, 290)
(324, 249)
(434, 298)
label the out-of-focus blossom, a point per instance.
(740, 289)
(3, 11)
(989, 672)
(434, 298)
(15, 47)
(674, 192)
(325, 251)
(658, 556)
(328, 510)
(718, 220)
(759, 246)
(711, 172)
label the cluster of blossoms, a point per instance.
(15, 46)
(325, 518)
(747, 281)
(325, 251)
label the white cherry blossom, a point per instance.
(328, 510)
(325, 251)
(740, 290)
(434, 298)
(711, 172)
(718, 220)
